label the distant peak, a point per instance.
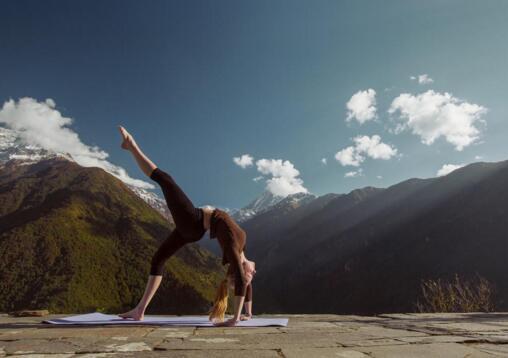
(266, 201)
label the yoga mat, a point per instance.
(97, 318)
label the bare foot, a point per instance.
(127, 140)
(229, 323)
(135, 313)
(245, 317)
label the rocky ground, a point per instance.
(396, 335)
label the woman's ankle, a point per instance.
(141, 309)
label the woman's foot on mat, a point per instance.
(135, 314)
(127, 140)
(245, 317)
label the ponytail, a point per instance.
(220, 305)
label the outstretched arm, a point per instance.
(128, 143)
(240, 280)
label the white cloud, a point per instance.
(374, 148)
(349, 156)
(422, 79)
(448, 168)
(379, 177)
(354, 173)
(40, 124)
(284, 178)
(362, 106)
(244, 161)
(324, 161)
(365, 146)
(431, 115)
(478, 157)
(256, 179)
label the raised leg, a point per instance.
(188, 218)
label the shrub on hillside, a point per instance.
(459, 294)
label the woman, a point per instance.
(191, 224)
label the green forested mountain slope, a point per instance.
(76, 239)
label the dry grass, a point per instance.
(457, 295)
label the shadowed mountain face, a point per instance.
(76, 239)
(367, 252)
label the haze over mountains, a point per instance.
(367, 251)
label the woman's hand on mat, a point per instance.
(245, 317)
(229, 323)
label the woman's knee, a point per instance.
(160, 176)
(157, 265)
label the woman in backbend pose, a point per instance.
(191, 224)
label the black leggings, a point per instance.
(188, 220)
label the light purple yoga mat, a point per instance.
(97, 318)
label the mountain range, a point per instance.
(77, 239)
(368, 251)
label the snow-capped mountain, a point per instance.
(294, 200)
(154, 200)
(267, 201)
(14, 150)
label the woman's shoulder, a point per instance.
(219, 221)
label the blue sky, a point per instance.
(201, 82)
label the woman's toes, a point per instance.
(132, 314)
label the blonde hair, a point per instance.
(218, 311)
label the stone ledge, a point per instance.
(390, 335)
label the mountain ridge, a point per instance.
(14, 150)
(350, 254)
